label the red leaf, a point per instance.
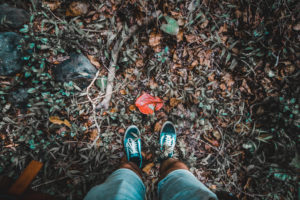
(147, 103)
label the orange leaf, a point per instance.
(148, 167)
(147, 104)
(67, 123)
(55, 120)
(94, 61)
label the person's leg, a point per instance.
(126, 182)
(133, 167)
(169, 165)
(176, 181)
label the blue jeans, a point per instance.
(125, 184)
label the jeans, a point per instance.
(125, 184)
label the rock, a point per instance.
(10, 62)
(77, 9)
(77, 67)
(19, 98)
(12, 17)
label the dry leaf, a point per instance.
(123, 92)
(57, 120)
(52, 5)
(148, 167)
(157, 126)
(77, 9)
(67, 123)
(216, 134)
(93, 134)
(228, 80)
(154, 41)
(174, 102)
(139, 63)
(297, 27)
(132, 108)
(179, 36)
(94, 61)
(204, 24)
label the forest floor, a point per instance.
(227, 72)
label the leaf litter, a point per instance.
(227, 73)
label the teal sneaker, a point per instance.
(167, 139)
(133, 145)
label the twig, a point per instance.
(114, 59)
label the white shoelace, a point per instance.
(169, 142)
(132, 145)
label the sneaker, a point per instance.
(133, 146)
(167, 139)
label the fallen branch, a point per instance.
(114, 59)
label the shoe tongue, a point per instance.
(135, 155)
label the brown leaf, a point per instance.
(77, 9)
(148, 167)
(157, 126)
(297, 27)
(67, 123)
(94, 61)
(228, 80)
(121, 131)
(139, 63)
(154, 41)
(174, 102)
(55, 120)
(213, 142)
(123, 92)
(52, 5)
(179, 36)
(223, 86)
(93, 134)
(204, 24)
(216, 134)
(132, 108)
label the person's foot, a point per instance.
(132, 145)
(167, 139)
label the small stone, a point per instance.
(12, 17)
(77, 9)
(77, 67)
(19, 97)
(10, 55)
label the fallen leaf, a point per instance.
(67, 123)
(93, 134)
(132, 108)
(121, 131)
(147, 103)
(94, 61)
(157, 126)
(123, 92)
(148, 167)
(179, 36)
(174, 102)
(77, 9)
(57, 120)
(52, 5)
(139, 63)
(154, 41)
(228, 80)
(216, 134)
(213, 142)
(171, 27)
(204, 24)
(297, 27)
